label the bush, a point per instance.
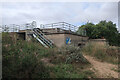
(73, 55)
(21, 59)
(104, 29)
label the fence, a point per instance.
(61, 25)
(16, 28)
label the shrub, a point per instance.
(22, 59)
(73, 55)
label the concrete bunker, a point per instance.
(60, 34)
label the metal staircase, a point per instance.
(37, 33)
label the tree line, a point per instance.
(103, 30)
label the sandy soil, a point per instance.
(46, 61)
(102, 69)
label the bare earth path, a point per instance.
(102, 69)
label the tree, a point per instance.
(109, 31)
(103, 29)
(88, 28)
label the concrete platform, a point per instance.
(59, 36)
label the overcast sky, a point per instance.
(76, 13)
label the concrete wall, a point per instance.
(53, 30)
(97, 40)
(58, 39)
(101, 41)
(76, 39)
(28, 34)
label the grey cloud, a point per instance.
(43, 13)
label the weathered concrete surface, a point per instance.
(28, 34)
(58, 39)
(76, 39)
(55, 30)
(100, 41)
(97, 40)
(59, 36)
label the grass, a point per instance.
(102, 51)
(69, 71)
(69, 63)
(114, 69)
(68, 57)
(22, 59)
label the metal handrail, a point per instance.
(41, 36)
(41, 39)
(45, 36)
(60, 25)
(39, 33)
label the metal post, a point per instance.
(74, 28)
(69, 27)
(52, 25)
(13, 27)
(19, 28)
(43, 26)
(63, 25)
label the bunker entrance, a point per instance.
(21, 36)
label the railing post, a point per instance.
(43, 26)
(13, 27)
(63, 25)
(69, 27)
(52, 25)
(74, 28)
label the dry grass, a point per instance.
(102, 51)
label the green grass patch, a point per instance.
(69, 71)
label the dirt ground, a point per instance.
(102, 69)
(46, 61)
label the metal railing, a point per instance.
(17, 28)
(61, 25)
(42, 38)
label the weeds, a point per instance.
(68, 55)
(102, 51)
(69, 71)
(114, 69)
(22, 59)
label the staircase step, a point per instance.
(42, 38)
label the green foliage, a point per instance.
(103, 29)
(22, 59)
(73, 55)
(69, 71)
